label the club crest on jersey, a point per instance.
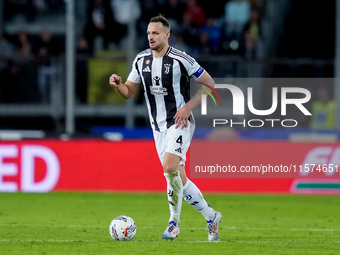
(147, 62)
(167, 68)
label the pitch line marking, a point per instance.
(49, 240)
(164, 241)
(259, 229)
(279, 229)
(228, 228)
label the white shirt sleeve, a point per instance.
(194, 69)
(134, 75)
(199, 71)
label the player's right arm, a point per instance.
(126, 90)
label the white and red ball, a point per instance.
(123, 228)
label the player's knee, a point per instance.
(169, 168)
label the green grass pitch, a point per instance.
(78, 223)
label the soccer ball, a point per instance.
(123, 228)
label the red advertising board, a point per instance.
(98, 165)
(212, 159)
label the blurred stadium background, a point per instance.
(56, 57)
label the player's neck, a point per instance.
(161, 52)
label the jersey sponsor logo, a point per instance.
(157, 90)
(156, 80)
(147, 70)
(160, 91)
(167, 68)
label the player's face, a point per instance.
(157, 36)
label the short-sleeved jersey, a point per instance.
(166, 83)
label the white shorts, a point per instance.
(175, 141)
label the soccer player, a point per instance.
(164, 73)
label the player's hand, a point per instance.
(115, 80)
(181, 117)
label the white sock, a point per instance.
(175, 195)
(195, 198)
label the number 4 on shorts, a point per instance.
(179, 140)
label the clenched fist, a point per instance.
(115, 80)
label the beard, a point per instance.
(153, 46)
(156, 47)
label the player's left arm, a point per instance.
(182, 115)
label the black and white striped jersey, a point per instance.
(166, 83)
